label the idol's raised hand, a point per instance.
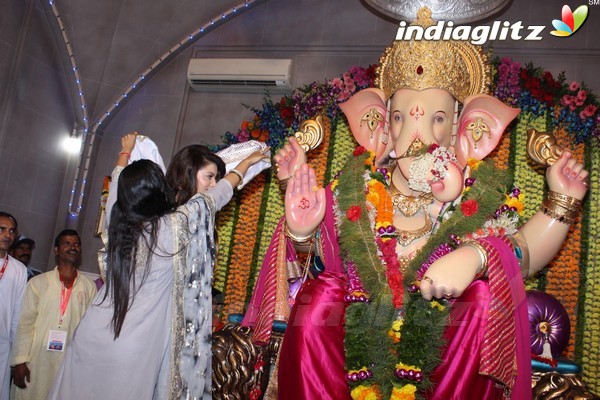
(304, 202)
(289, 159)
(567, 176)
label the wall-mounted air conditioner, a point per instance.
(240, 75)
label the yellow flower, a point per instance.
(401, 365)
(435, 304)
(362, 392)
(406, 392)
(516, 202)
(512, 202)
(473, 163)
(395, 331)
(334, 184)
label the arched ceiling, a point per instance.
(114, 44)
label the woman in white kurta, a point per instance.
(162, 348)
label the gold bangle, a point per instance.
(560, 212)
(563, 199)
(298, 239)
(483, 269)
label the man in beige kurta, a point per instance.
(53, 306)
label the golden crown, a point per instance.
(459, 67)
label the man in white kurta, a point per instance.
(52, 309)
(12, 288)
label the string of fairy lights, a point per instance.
(89, 133)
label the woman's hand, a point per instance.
(128, 142)
(289, 159)
(127, 145)
(254, 158)
(234, 179)
(304, 202)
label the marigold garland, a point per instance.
(226, 221)
(318, 158)
(271, 209)
(501, 154)
(529, 176)
(244, 239)
(257, 254)
(343, 144)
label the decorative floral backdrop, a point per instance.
(548, 103)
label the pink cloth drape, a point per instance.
(311, 365)
(261, 310)
(457, 376)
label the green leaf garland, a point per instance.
(367, 324)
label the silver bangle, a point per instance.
(239, 175)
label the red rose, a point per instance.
(358, 151)
(354, 213)
(469, 207)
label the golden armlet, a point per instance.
(483, 269)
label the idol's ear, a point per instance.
(367, 115)
(481, 125)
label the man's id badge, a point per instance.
(57, 340)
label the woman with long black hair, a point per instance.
(147, 334)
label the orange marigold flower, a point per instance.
(473, 163)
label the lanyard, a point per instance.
(65, 296)
(4, 266)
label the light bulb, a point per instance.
(72, 144)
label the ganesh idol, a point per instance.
(417, 259)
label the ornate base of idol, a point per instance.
(241, 369)
(562, 382)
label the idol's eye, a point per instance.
(439, 119)
(397, 117)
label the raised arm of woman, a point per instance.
(127, 145)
